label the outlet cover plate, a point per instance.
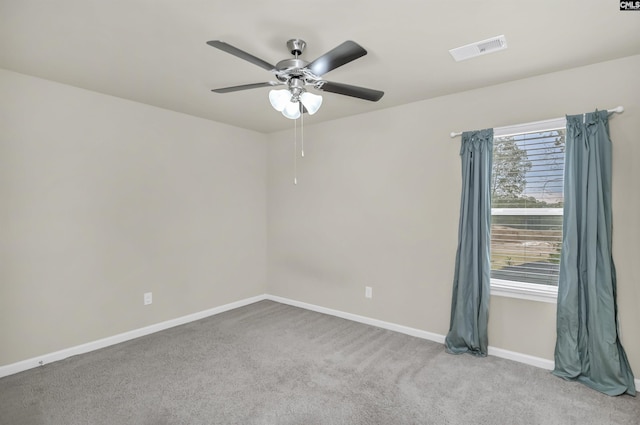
(368, 292)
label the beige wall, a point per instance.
(103, 199)
(377, 204)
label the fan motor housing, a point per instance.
(290, 68)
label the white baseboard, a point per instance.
(522, 358)
(362, 319)
(116, 339)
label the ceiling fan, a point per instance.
(298, 74)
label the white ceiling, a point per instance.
(155, 51)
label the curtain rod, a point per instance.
(618, 110)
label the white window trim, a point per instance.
(541, 126)
(522, 290)
(525, 291)
(526, 211)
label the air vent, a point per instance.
(479, 48)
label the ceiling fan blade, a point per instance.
(241, 54)
(353, 91)
(247, 87)
(344, 53)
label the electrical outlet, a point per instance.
(148, 298)
(368, 292)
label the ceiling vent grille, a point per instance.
(479, 48)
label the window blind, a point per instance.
(527, 206)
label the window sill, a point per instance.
(525, 291)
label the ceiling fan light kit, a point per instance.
(286, 100)
(298, 74)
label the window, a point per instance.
(527, 205)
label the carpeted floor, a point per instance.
(269, 363)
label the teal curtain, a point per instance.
(588, 348)
(472, 274)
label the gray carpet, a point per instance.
(269, 363)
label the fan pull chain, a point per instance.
(302, 129)
(295, 151)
